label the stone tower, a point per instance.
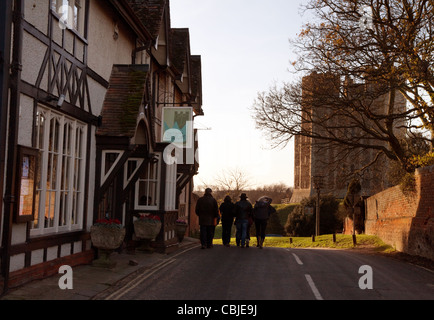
(313, 157)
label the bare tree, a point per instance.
(370, 83)
(233, 182)
(276, 191)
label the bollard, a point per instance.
(354, 240)
(313, 238)
(334, 237)
(290, 240)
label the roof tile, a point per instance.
(123, 99)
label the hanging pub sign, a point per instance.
(177, 126)
(26, 184)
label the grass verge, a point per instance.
(325, 241)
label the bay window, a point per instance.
(60, 179)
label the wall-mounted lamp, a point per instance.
(60, 99)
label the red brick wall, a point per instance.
(405, 220)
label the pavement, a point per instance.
(94, 283)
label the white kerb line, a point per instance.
(313, 287)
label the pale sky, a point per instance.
(245, 49)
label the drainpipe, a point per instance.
(15, 91)
(5, 57)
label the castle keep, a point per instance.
(336, 164)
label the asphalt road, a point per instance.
(278, 274)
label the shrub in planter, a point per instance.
(180, 228)
(147, 228)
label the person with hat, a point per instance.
(243, 210)
(207, 211)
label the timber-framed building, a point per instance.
(84, 87)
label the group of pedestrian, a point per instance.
(241, 213)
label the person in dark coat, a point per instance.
(207, 211)
(261, 214)
(227, 211)
(243, 209)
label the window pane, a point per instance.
(77, 194)
(143, 193)
(148, 193)
(54, 135)
(35, 224)
(49, 210)
(131, 166)
(66, 138)
(110, 158)
(148, 187)
(54, 172)
(153, 193)
(78, 138)
(40, 127)
(76, 15)
(63, 204)
(74, 219)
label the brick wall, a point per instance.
(405, 220)
(49, 268)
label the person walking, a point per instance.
(227, 211)
(261, 214)
(243, 209)
(207, 211)
(249, 225)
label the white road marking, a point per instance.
(297, 259)
(184, 251)
(140, 278)
(313, 287)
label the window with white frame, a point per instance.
(61, 173)
(170, 198)
(148, 186)
(70, 13)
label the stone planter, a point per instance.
(106, 239)
(180, 229)
(147, 230)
